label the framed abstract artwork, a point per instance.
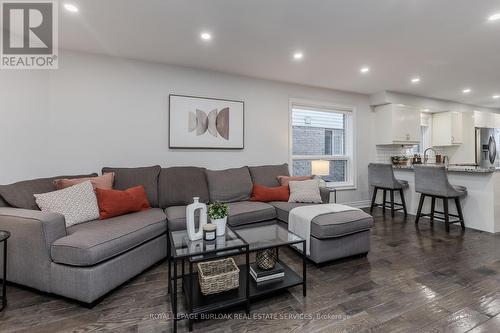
(205, 123)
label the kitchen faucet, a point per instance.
(425, 154)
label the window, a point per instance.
(322, 132)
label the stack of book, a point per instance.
(271, 275)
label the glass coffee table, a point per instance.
(235, 242)
(274, 236)
(182, 250)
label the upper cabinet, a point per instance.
(396, 124)
(447, 128)
(486, 119)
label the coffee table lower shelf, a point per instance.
(231, 298)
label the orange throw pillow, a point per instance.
(115, 203)
(266, 194)
(105, 181)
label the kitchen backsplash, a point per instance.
(384, 153)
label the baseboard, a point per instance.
(358, 204)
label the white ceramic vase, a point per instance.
(221, 225)
(191, 209)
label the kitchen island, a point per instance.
(481, 206)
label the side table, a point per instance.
(4, 235)
(334, 191)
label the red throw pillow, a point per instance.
(266, 194)
(115, 203)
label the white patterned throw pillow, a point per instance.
(77, 203)
(305, 191)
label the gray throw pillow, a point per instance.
(305, 191)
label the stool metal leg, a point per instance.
(384, 199)
(446, 214)
(374, 197)
(402, 195)
(433, 209)
(460, 213)
(420, 204)
(392, 202)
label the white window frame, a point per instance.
(350, 140)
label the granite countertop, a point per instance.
(452, 168)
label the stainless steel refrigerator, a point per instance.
(487, 147)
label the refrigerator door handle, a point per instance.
(492, 149)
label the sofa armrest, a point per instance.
(32, 234)
(48, 226)
(325, 194)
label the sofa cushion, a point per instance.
(245, 212)
(21, 194)
(328, 225)
(130, 177)
(93, 242)
(176, 217)
(340, 224)
(240, 213)
(178, 185)
(229, 185)
(267, 175)
(3, 203)
(284, 208)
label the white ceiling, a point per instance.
(448, 43)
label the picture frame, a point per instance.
(205, 123)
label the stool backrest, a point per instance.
(381, 174)
(432, 180)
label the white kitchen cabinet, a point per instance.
(396, 124)
(447, 128)
(486, 119)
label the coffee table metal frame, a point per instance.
(248, 289)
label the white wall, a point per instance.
(99, 111)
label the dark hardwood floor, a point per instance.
(413, 280)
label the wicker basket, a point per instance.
(218, 276)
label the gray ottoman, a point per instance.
(340, 235)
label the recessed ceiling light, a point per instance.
(298, 55)
(205, 36)
(496, 96)
(425, 110)
(415, 80)
(494, 17)
(364, 69)
(402, 105)
(466, 90)
(70, 7)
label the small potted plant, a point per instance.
(395, 160)
(218, 212)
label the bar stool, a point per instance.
(381, 177)
(433, 182)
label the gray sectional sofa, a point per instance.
(86, 261)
